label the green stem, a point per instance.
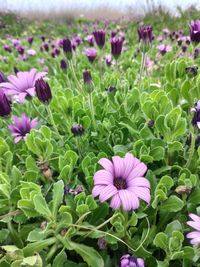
(37, 111)
(192, 149)
(16, 239)
(92, 111)
(53, 122)
(142, 67)
(74, 75)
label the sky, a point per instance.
(71, 4)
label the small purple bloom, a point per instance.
(102, 244)
(21, 127)
(67, 47)
(164, 49)
(43, 91)
(7, 48)
(145, 34)
(20, 49)
(122, 180)
(46, 47)
(184, 48)
(22, 85)
(99, 36)
(87, 77)
(5, 106)
(90, 39)
(16, 42)
(63, 64)
(77, 129)
(196, 53)
(91, 53)
(108, 60)
(30, 39)
(195, 31)
(196, 117)
(31, 52)
(194, 223)
(43, 37)
(116, 46)
(129, 261)
(3, 78)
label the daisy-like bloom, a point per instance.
(194, 223)
(128, 261)
(31, 52)
(195, 31)
(122, 180)
(163, 49)
(196, 117)
(22, 85)
(21, 127)
(91, 53)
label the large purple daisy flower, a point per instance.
(22, 85)
(122, 180)
(195, 235)
(21, 127)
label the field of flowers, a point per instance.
(99, 142)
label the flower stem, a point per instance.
(38, 112)
(92, 111)
(142, 67)
(192, 149)
(53, 122)
(74, 75)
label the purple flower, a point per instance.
(60, 42)
(184, 48)
(3, 78)
(16, 42)
(145, 34)
(5, 106)
(99, 36)
(195, 31)
(165, 31)
(116, 46)
(30, 39)
(196, 53)
(20, 49)
(67, 47)
(87, 77)
(31, 52)
(22, 85)
(46, 47)
(195, 223)
(90, 39)
(122, 180)
(164, 49)
(128, 261)
(43, 37)
(7, 48)
(43, 91)
(63, 64)
(77, 129)
(108, 60)
(196, 117)
(91, 53)
(21, 127)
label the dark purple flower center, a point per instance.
(120, 183)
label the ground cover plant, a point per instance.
(99, 142)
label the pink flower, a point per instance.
(195, 223)
(122, 180)
(22, 85)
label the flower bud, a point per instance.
(43, 91)
(5, 106)
(77, 130)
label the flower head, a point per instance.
(91, 54)
(30, 39)
(116, 46)
(163, 49)
(195, 31)
(128, 261)
(77, 129)
(122, 180)
(22, 85)
(99, 36)
(145, 34)
(196, 117)
(63, 64)
(5, 106)
(194, 223)
(67, 48)
(43, 91)
(90, 39)
(21, 127)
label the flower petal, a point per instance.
(118, 166)
(115, 202)
(129, 201)
(193, 234)
(97, 190)
(142, 193)
(129, 163)
(194, 225)
(103, 177)
(138, 171)
(194, 217)
(107, 165)
(109, 191)
(139, 181)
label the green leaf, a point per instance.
(89, 254)
(161, 241)
(60, 259)
(41, 206)
(58, 192)
(172, 204)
